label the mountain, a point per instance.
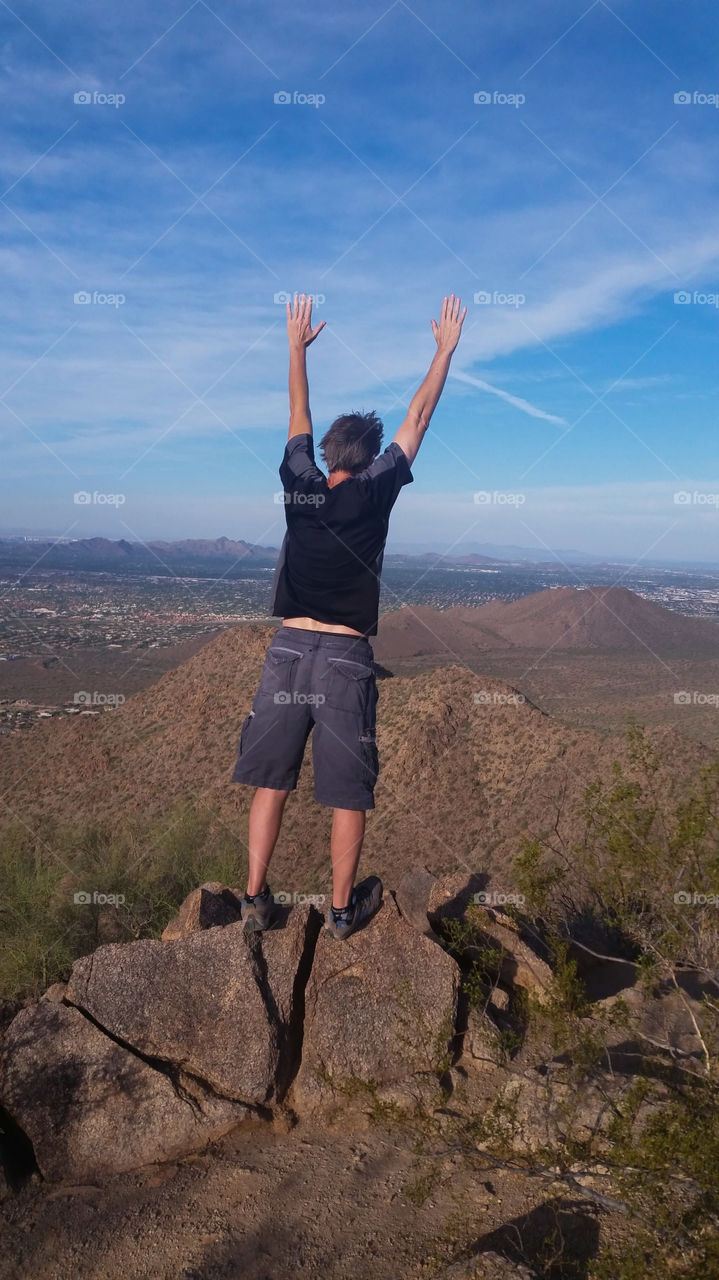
(581, 618)
(118, 556)
(496, 553)
(469, 768)
(398, 559)
(212, 547)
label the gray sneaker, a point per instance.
(260, 914)
(365, 902)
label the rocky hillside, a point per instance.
(593, 619)
(469, 767)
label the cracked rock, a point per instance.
(90, 1107)
(380, 1010)
(221, 1005)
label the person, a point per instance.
(318, 675)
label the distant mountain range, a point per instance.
(190, 557)
(205, 557)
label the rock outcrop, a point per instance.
(212, 904)
(92, 1108)
(220, 1004)
(379, 1009)
(154, 1048)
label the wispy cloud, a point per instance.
(516, 401)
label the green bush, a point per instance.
(153, 865)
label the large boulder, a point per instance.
(222, 1005)
(380, 1010)
(211, 905)
(91, 1108)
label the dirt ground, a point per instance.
(262, 1205)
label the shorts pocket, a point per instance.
(349, 686)
(242, 744)
(370, 758)
(279, 673)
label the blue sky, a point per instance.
(581, 408)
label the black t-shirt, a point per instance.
(331, 558)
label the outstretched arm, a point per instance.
(300, 334)
(423, 404)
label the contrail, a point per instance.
(518, 403)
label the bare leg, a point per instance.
(345, 848)
(265, 822)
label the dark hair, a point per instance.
(352, 442)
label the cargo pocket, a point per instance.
(370, 758)
(279, 673)
(242, 745)
(242, 748)
(349, 686)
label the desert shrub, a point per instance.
(150, 864)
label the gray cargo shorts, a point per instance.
(314, 680)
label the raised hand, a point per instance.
(447, 332)
(299, 322)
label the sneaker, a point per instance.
(259, 914)
(365, 903)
